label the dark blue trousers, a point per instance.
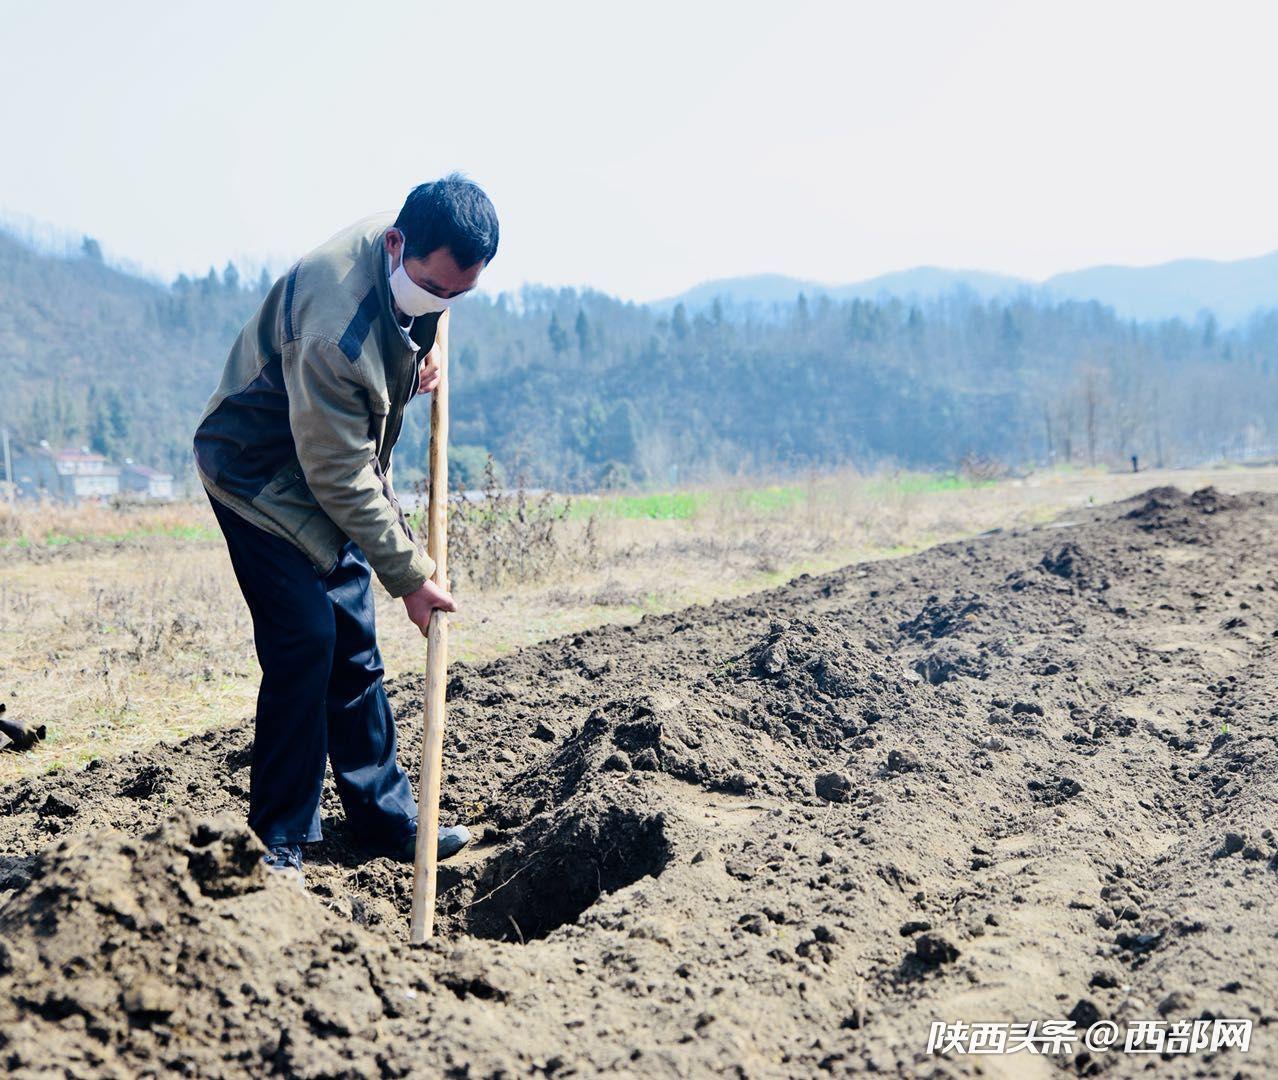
(321, 695)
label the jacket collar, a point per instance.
(391, 330)
(423, 326)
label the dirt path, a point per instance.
(1026, 777)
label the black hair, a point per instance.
(452, 213)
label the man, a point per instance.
(294, 449)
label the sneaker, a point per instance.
(284, 859)
(452, 838)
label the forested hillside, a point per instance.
(576, 389)
(92, 356)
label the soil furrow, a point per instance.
(1029, 776)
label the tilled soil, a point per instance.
(1030, 776)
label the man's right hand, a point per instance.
(424, 601)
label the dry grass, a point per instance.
(121, 628)
(114, 646)
(54, 524)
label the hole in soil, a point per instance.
(548, 881)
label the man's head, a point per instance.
(444, 236)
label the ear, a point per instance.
(394, 241)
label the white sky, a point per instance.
(642, 149)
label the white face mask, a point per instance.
(410, 297)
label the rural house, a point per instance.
(83, 474)
(143, 482)
(76, 475)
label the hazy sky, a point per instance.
(641, 148)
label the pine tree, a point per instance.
(558, 338)
(679, 323)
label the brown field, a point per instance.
(128, 627)
(1027, 776)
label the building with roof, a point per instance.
(83, 474)
(143, 482)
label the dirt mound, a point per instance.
(178, 952)
(1073, 564)
(174, 951)
(820, 684)
(1025, 777)
(1169, 508)
(941, 618)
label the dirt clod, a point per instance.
(902, 761)
(834, 786)
(933, 950)
(60, 804)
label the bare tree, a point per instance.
(1092, 387)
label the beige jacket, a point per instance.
(297, 438)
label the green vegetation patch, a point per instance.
(771, 500)
(921, 483)
(55, 538)
(658, 506)
(684, 505)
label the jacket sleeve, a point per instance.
(330, 414)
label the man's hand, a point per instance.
(424, 601)
(428, 371)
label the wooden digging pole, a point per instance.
(424, 865)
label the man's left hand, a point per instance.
(428, 371)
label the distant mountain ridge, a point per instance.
(1231, 290)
